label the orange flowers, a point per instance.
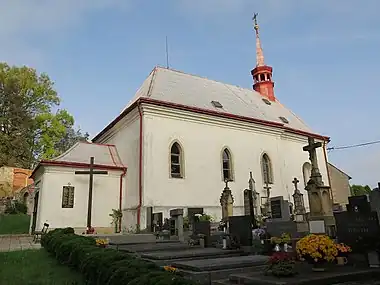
(343, 248)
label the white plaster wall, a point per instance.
(105, 198)
(202, 142)
(126, 135)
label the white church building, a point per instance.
(173, 146)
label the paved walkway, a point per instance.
(12, 243)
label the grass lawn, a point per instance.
(14, 224)
(35, 267)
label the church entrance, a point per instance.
(34, 217)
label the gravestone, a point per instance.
(358, 204)
(149, 219)
(277, 228)
(375, 201)
(157, 221)
(202, 228)
(280, 210)
(176, 223)
(358, 227)
(240, 227)
(191, 214)
(248, 205)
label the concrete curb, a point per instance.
(15, 235)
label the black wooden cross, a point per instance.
(295, 182)
(91, 173)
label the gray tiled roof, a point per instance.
(81, 152)
(180, 88)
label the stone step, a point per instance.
(222, 263)
(164, 262)
(192, 252)
(218, 277)
(151, 247)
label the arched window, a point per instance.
(267, 169)
(227, 165)
(176, 161)
(306, 170)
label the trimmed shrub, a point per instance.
(103, 266)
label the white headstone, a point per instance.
(317, 227)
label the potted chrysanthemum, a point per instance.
(317, 250)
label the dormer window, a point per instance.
(266, 101)
(284, 120)
(217, 104)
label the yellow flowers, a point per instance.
(101, 242)
(284, 238)
(170, 268)
(317, 248)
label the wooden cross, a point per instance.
(91, 172)
(295, 182)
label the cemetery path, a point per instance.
(13, 243)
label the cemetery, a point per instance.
(286, 246)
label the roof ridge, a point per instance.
(209, 79)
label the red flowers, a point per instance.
(280, 257)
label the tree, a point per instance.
(358, 190)
(29, 129)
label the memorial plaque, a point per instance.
(275, 206)
(241, 228)
(359, 230)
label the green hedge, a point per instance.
(102, 266)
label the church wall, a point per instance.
(202, 139)
(105, 198)
(126, 136)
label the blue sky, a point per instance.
(325, 56)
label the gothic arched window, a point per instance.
(227, 165)
(176, 161)
(266, 167)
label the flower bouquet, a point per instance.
(101, 242)
(284, 238)
(343, 249)
(281, 264)
(317, 250)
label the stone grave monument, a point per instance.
(227, 202)
(359, 228)
(176, 223)
(158, 221)
(250, 200)
(319, 194)
(299, 209)
(375, 200)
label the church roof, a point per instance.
(78, 156)
(181, 89)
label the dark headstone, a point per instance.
(149, 219)
(240, 227)
(375, 201)
(280, 209)
(277, 228)
(158, 221)
(359, 230)
(248, 205)
(358, 204)
(191, 212)
(173, 230)
(202, 228)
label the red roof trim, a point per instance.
(206, 112)
(76, 165)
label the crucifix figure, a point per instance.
(311, 148)
(255, 18)
(267, 204)
(226, 181)
(91, 172)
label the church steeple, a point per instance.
(262, 74)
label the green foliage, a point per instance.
(358, 190)
(16, 207)
(29, 129)
(102, 266)
(32, 267)
(206, 218)
(116, 218)
(14, 224)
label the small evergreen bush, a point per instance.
(103, 266)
